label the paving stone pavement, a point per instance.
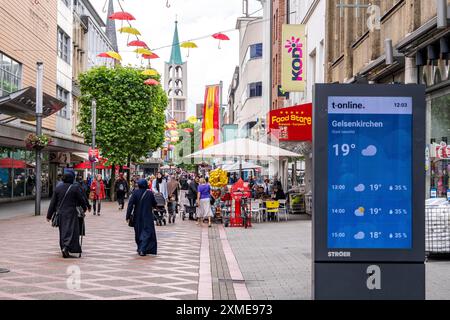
(109, 268)
(275, 260)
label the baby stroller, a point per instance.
(191, 211)
(160, 212)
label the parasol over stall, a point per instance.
(221, 37)
(188, 45)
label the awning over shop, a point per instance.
(22, 104)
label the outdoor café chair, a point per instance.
(256, 209)
(273, 207)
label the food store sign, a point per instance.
(292, 124)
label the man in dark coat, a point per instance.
(141, 205)
(121, 187)
(69, 224)
(192, 195)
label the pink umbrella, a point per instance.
(151, 82)
(137, 43)
(122, 16)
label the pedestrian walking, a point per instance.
(173, 190)
(192, 191)
(204, 202)
(160, 185)
(97, 194)
(140, 216)
(121, 187)
(63, 209)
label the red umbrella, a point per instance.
(137, 43)
(188, 130)
(104, 55)
(150, 56)
(221, 37)
(151, 82)
(122, 16)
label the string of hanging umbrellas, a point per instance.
(142, 48)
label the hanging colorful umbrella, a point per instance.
(188, 45)
(110, 54)
(124, 16)
(221, 37)
(143, 51)
(150, 72)
(130, 30)
(188, 130)
(151, 82)
(137, 43)
(150, 56)
(192, 119)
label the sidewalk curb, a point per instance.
(205, 290)
(240, 289)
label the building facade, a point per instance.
(357, 52)
(248, 101)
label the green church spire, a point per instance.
(175, 57)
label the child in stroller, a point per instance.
(160, 211)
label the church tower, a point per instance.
(111, 27)
(175, 82)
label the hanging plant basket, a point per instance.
(35, 142)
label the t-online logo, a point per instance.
(295, 47)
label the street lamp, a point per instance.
(94, 132)
(39, 107)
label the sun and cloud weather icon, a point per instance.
(370, 151)
(360, 212)
(360, 236)
(360, 188)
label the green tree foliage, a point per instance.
(130, 114)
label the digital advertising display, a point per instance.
(370, 152)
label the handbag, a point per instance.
(131, 222)
(55, 217)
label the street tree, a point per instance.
(130, 114)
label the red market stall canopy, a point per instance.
(101, 165)
(9, 163)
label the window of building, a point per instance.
(10, 75)
(63, 46)
(255, 89)
(179, 105)
(63, 95)
(67, 3)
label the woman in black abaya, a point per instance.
(141, 205)
(66, 198)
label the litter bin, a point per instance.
(437, 227)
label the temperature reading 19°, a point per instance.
(343, 149)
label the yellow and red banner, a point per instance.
(211, 116)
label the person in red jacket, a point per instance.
(97, 193)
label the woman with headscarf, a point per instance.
(66, 198)
(141, 206)
(160, 185)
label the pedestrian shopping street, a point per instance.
(271, 261)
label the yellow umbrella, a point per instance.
(192, 119)
(143, 51)
(114, 55)
(150, 72)
(188, 45)
(130, 30)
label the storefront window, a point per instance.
(17, 174)
(440, 132)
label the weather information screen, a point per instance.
(370, 173)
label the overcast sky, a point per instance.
(196, 18)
